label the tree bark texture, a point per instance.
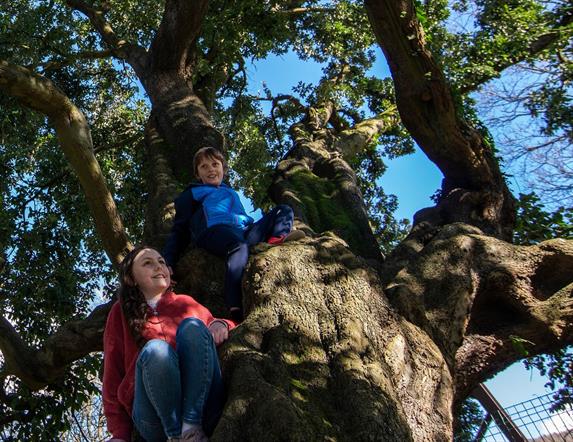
(322, 355)
(331, 348)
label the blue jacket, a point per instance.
(199, 207)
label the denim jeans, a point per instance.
(178, 385)
(233, 243)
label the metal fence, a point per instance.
(534, 420)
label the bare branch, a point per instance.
(70, 58)
(542, 43)
(283, 97)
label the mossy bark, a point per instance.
(318, 183)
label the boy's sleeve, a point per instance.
(246, 217)
(180, 236)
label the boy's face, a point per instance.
(210, 171)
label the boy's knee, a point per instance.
(239, 251)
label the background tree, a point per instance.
(339, 342)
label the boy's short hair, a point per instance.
(208, 152)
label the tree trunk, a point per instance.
(324, 356)
(332, 348)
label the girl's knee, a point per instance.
(191, 328)
(155, 349)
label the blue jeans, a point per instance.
(233, 243)
(172, 386)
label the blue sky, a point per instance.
(413, 179)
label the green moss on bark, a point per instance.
(324, 206)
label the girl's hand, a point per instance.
(220, 331)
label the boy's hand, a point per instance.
(220, 331)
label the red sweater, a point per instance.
(120, 353)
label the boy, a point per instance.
(211, 215)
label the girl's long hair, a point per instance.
(131, 299)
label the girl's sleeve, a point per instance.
(119, 423)
(205, 315)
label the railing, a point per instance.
(531, 421)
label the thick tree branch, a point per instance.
(179, 29)
(96, 17)
(424, 99)
(313, 174)
(72, 131)
(68, 59)
(38, 367)
(134, 54)
(429, 113)
(166, 72)
(351, 141)
(530, 299)
(478, 297)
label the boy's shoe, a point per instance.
(191, 435)
(294, 235)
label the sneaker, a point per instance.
(295, 235)
(274, 240)
(194, 435)
(191, 435)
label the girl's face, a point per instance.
(210, 171)
(150, 273)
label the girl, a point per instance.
(211, 215)
(161, 370)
